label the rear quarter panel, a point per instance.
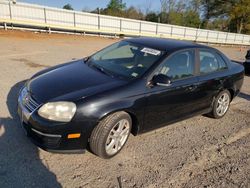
(236, 76)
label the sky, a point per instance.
(93, 4)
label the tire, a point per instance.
(221, 103)
(110, 135)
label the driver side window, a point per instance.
(179, 65)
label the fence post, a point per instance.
(10, 10)
(235, 38)
(45, 16)
(218, 36)
(140, 28)
(120, 25)
(171, 32)
(156, 31)
(5, 26)
(226, 37)
(185, 30)
(207, 35)
(99, 22)
(196, 35)
(74, 14)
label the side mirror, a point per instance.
(161, 80)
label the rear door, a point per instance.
(212, 76)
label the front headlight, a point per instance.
(58, 111)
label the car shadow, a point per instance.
(244, 96)
(20, 165)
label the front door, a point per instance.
(166, 104)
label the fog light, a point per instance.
(75, 135)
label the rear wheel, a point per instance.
(221, 104)
(110, 135)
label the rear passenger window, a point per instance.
(210, 62)
(222, 63)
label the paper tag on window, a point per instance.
(134, 74)
(151, 51)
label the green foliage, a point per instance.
(191, 19)
(235, 12)
(152, 17)
(68, 7)
(175, 18)
(114, 8)
(240, 15)
(133, 13)
(116, 5)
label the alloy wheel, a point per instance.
(223, 104)
(117, 137)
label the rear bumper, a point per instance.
(53, 136)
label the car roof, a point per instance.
(165, 44)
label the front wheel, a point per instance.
(221, 104)
(110, 135)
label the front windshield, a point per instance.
(125, 59)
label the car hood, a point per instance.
(70, 82)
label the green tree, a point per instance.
(163, 17)
(195, 5)
(152, 17)
(116, 5)
(134, 13)
(237, 12)
(115, 8)
(191, 19)
(175, 18)
(68, 7)
(240, 15)
(209, 8)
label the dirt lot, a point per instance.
(198, 152)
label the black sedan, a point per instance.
(247, 63)
(132, 86)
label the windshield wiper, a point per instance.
(86, 59)
(99, 68)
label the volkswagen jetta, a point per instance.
(133, 86)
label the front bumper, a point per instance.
(52, 136)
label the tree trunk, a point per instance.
(240, 25)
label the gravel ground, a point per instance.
(198, 152)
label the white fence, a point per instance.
(24, 14)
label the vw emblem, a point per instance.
(25, 98)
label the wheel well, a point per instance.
(135, 123)
(231, 91)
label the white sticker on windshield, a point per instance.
(134, 74)
(151, 51)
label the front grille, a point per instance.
(30, 103)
